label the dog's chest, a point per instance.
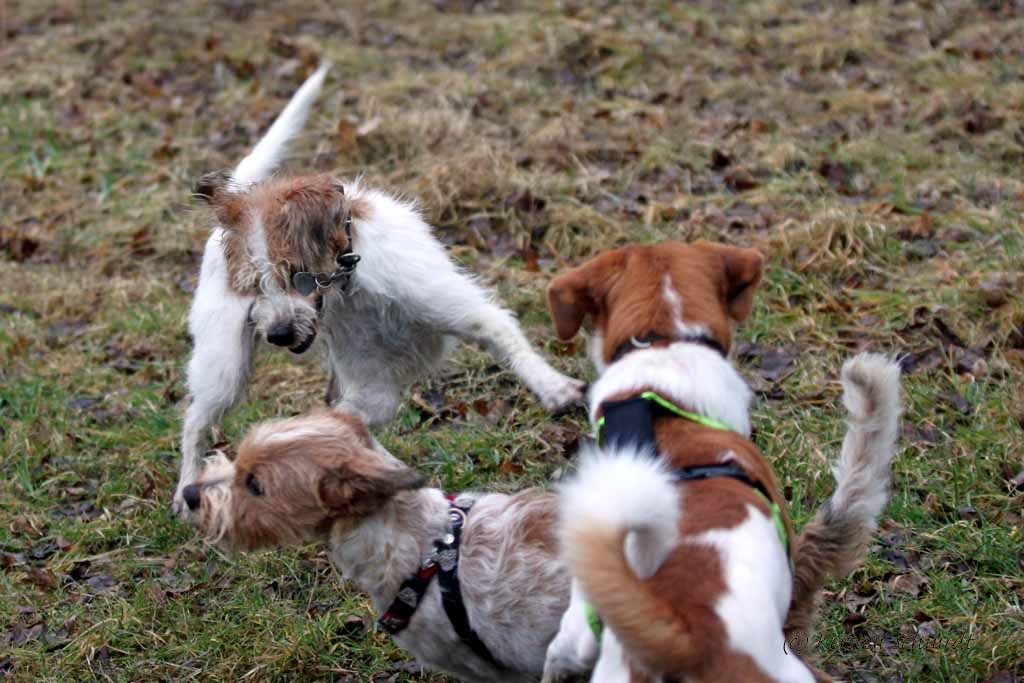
(377, 324)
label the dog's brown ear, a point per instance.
(574, 295)
(361, 489)
(743, 269)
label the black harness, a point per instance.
(443, 563)
(645, 341)
(631, 422)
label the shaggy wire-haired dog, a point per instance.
(674, 529)
(294, 256)
(320, 477)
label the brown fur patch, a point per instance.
(294, 477)
(303, 219)
(668, 623)
(621, 291)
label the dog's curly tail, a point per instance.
(833, 543)
(619, 521)
(268, 152)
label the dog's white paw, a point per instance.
(561, 393)
(178, 504)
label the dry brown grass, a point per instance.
(873, 150)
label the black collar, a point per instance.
(443, 562)
(305, 282)
(644, 341)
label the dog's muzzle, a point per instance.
(284, 335)
(192, 495)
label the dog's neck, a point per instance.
(692, 376)
(389, 546)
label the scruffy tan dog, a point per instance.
(319, 477)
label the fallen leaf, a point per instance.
(956, 400)
(346, 132)
(42, 577)
(926, 360)
(368, 126)
(9, 560)
(996, 288)
(719, 159)
(509, 467)
(967, 513)
(353, 625)
(17, 246)
(773, 364)
(910, 584)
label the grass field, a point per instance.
(873, 151)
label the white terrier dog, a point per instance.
(292, 256)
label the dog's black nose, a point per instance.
(281, 335)
(191, 495)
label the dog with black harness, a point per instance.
(469, 584)
(684, 563)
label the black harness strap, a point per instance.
(644, 341)
(724, 470)
(631, 422)
(451, 593)
(443, 562)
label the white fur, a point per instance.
(758, 589)
(612, 665)
(404, 309)
(515, 593)
(621, 489)
(595, 351)
(863, 471)
(630, 490)
(675, 305)
(514, 587)
(267, 154)
(691, 376)
(218, 370)
(574, 648)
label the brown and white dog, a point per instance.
(294, 258)
(674, 529)
(319, 477)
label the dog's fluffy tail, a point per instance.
(833, 543)
(619, 521)
(267, 154)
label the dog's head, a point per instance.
(275, 229)
(293, 480)
(669, 289)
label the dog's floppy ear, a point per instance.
(743, 268)
(574, 295)
(362, 487)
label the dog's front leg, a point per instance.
(218, 370)
(574, 648)
(476, 319)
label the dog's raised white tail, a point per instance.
(832, 543)
(267, 154)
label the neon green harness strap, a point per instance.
(673, 408)
(594, 622)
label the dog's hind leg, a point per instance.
(218, 370)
